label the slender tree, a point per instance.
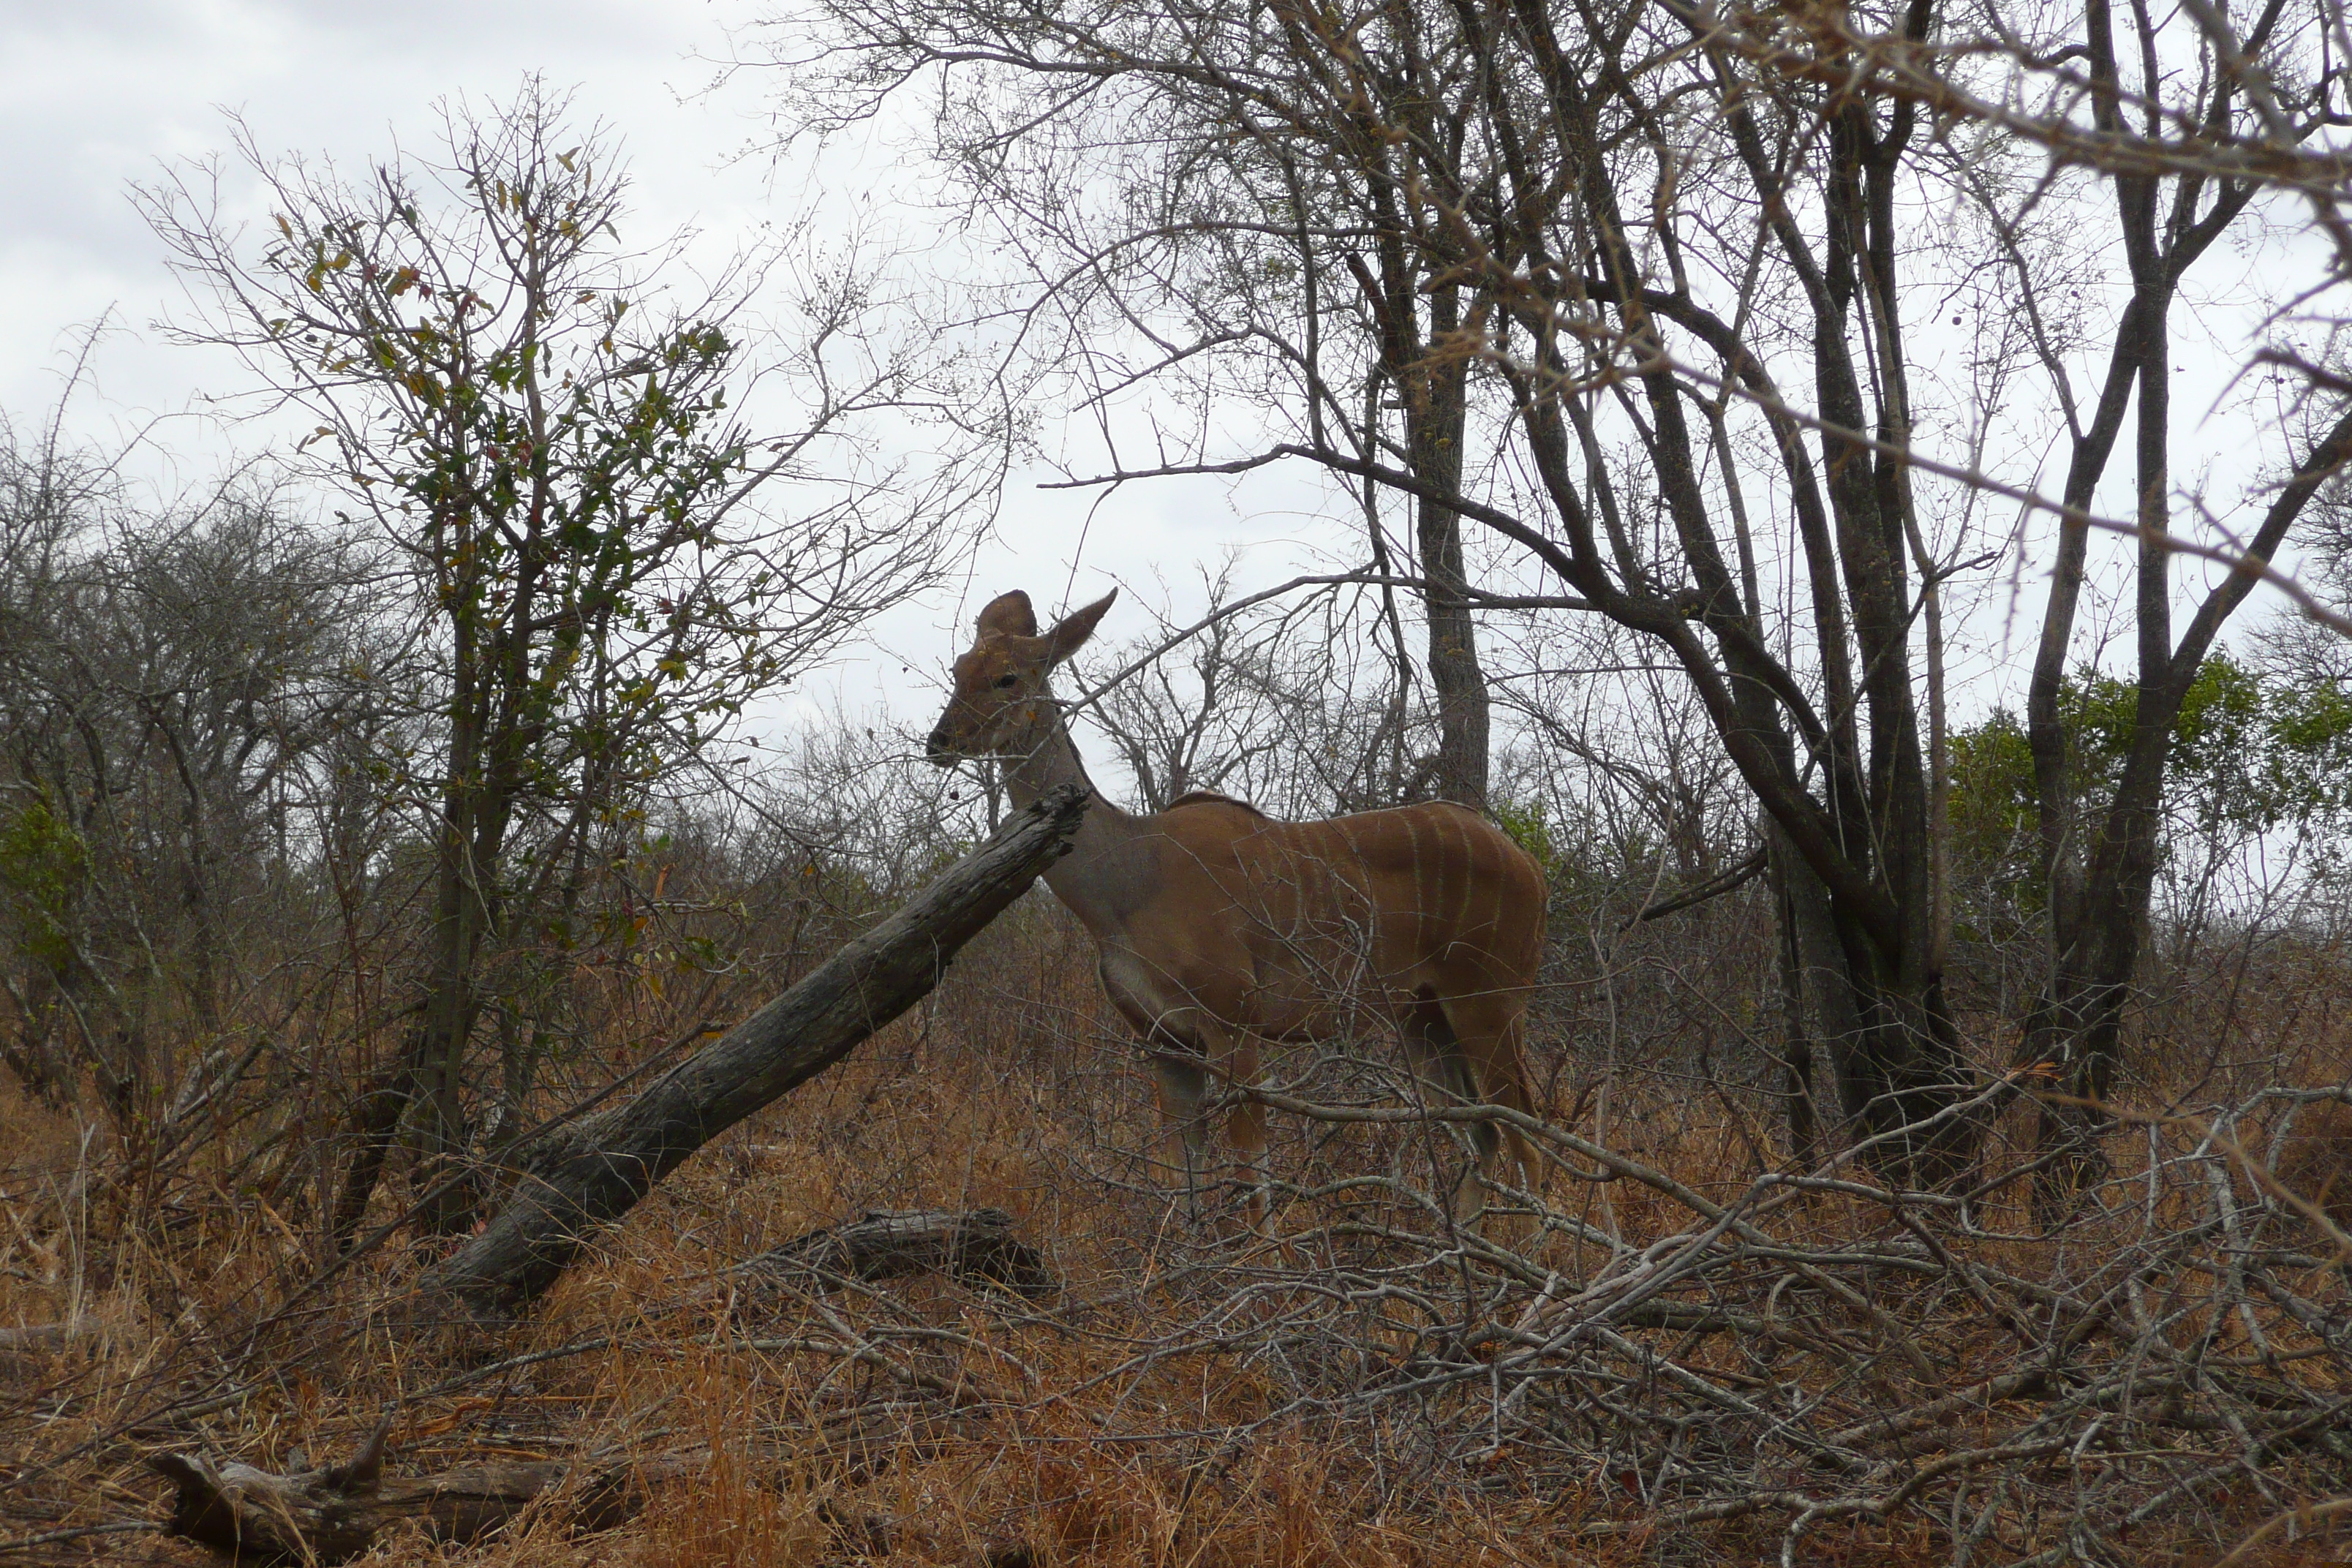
(556, 452)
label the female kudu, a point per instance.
(1217, 927)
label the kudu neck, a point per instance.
(1087, 878)
(1051, 761)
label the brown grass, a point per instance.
(1189, 1398)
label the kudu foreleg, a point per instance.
(1180, 1083)
(1189, 1070)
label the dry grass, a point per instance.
(1386, 1392)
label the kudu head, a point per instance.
(999, 706)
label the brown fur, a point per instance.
(1218, 928)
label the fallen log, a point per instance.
(41, 1339)
(335, 1513)
(589, 1173)
(977, 1246)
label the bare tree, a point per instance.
(2271, 90)
(1680, 259)
(1291, 706)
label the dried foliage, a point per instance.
(1687, 1351)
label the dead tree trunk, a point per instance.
(333, 1514)
(588, 1174)
(340, 1511)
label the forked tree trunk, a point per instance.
(1893, 1059)
(2098, 933)
(587, 1174)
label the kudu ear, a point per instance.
(1009, 614)
(1075, 629)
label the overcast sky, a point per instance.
(95, 94)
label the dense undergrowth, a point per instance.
(1687, 1353)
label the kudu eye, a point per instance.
(1003, 681)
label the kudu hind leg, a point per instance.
(1441, 1063)
(1189, 1065)
(1490, 1029)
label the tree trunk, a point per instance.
(1803, 988)
(1438, 419)
(424, 1089)
(2098, 933)
(578, 1177)
(368, 1129)
(1892, 1057)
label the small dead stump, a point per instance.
(977, 1246)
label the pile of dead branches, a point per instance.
(2173, 1363)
